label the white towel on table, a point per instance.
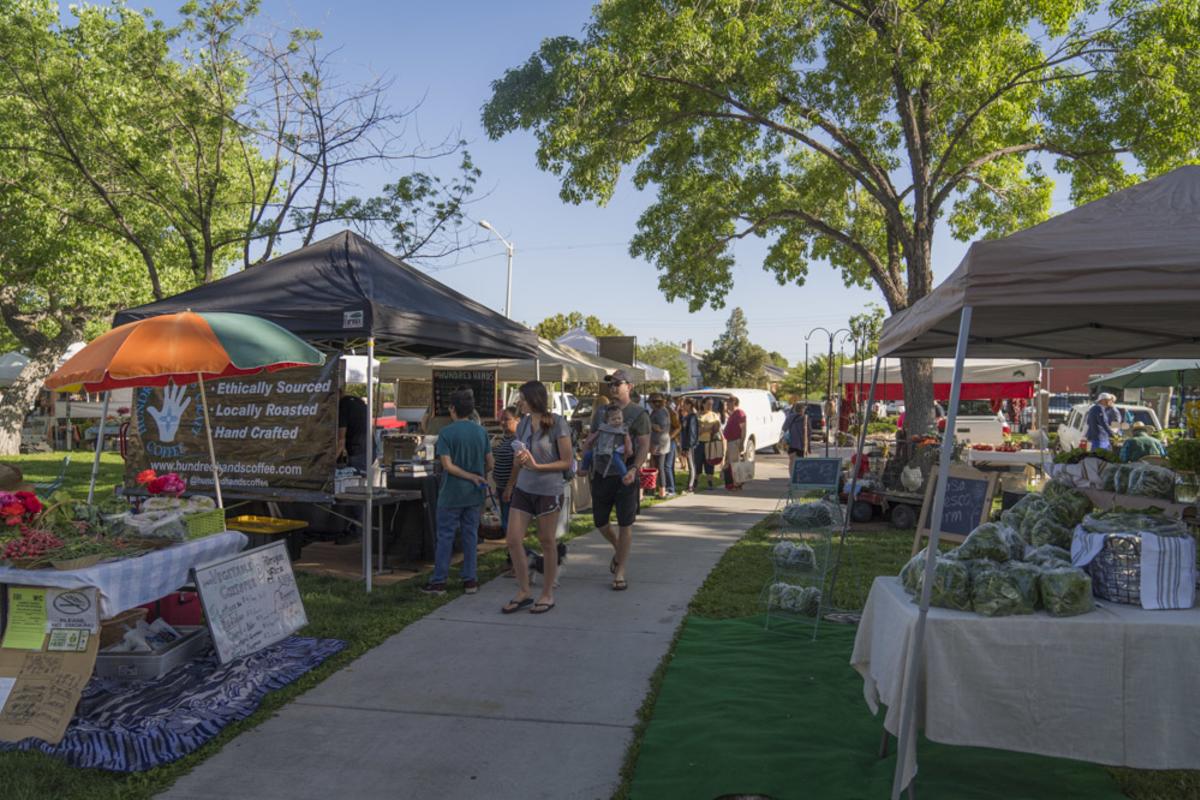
(1168, 571)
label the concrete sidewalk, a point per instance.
(470, 703)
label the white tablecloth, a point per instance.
(133, 582)
(1119, 685)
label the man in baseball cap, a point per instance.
(1100, 419)
(620, 492)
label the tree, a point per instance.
(777, 359)
(733, 359)
(817, 370)
(553, 327)
(845, 130)
(668, 356)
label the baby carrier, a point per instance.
(607, 456)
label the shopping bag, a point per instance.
(714, 452)
(743, 471)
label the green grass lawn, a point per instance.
(44, 467)
(733, 589)
(336, 608)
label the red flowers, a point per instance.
(170, 483)
(18, 507)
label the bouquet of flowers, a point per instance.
(170, 484)
(17, 508)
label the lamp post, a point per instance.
(829, 373)
(483, 223)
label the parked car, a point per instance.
(1071, 432)
(977, 423)
(764, 415)
(895, 408)
(1057, 409)
(816, 419)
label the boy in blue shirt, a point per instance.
(462, 448)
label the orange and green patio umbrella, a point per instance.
(187, 347)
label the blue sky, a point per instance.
(567, 257)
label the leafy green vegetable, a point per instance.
(1131, 521)
(1048, 555)
(1047, 531)
(951, 585)
(991, 540)
(1066, 591)
(1000, 590)
(1142, 480)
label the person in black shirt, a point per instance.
(353, 428)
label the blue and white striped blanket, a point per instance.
(131, 727)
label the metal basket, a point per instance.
(205, 523)
(1117, 571)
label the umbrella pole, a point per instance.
(212, 451)
(99, 447)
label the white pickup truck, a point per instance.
(978, 424)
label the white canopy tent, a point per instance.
(555, 362)
(584, 342)
(1116, 277)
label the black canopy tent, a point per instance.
(344, 292)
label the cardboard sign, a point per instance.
(274, 433)
(816, 473)
(480, 381)
(968, 504)
(250, 600)
(40, 688)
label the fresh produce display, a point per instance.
(1065, 591)
(1048, 518)
(1048, 532)
(951, 584)
(910, 572)
(797, 599)
(1142, 480)
(1078, 454)
(992, 541)
(1069, 505)
(1117, 521)
(999, 590)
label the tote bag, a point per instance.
(714, 452)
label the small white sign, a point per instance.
(6, 685)
(68, 640)
(352, 319)
(72, 608)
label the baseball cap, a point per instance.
(1138, 426)
(618, 376)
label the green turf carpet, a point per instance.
(746, 711)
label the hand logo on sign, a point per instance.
(170, 415)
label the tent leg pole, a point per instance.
(907, 733)
(212, 451)
(854, 469)
(368, 518)
(99, 448)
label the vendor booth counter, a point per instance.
(1112, 686)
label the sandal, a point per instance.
(542, 608)
(514, 606)
(620, 585)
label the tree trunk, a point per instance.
(917, 374)
(18, 400)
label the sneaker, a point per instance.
(434, 588)
(470, 587)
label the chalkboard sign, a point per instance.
(480, 381)
(968, 504)
(250, 600)
(816, 473)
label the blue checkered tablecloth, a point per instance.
(133, 582)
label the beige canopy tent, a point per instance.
(1116, 277)
(555, 362)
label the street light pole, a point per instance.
(508, 246)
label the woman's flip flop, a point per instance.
(541, 608)
(620, 585)
(514, 606)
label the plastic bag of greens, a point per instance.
(1069, 505)
(796, 555)
(951, 585)
(991, 540)
(999, 591)
(1048, 555)
(910, 573)
(1047, 531)
(796, 599)
(816, 515)
(1143, 480)
(1133, 522)
(1065, 591)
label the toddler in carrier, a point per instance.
(608, 446)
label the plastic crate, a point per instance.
(205, 523)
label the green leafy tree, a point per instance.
(555, 326)
(795, 387)
(734, 360)
(668, 356)
(846, 131)
(777, 359)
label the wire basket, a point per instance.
(1117, 571)
(205, 523)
